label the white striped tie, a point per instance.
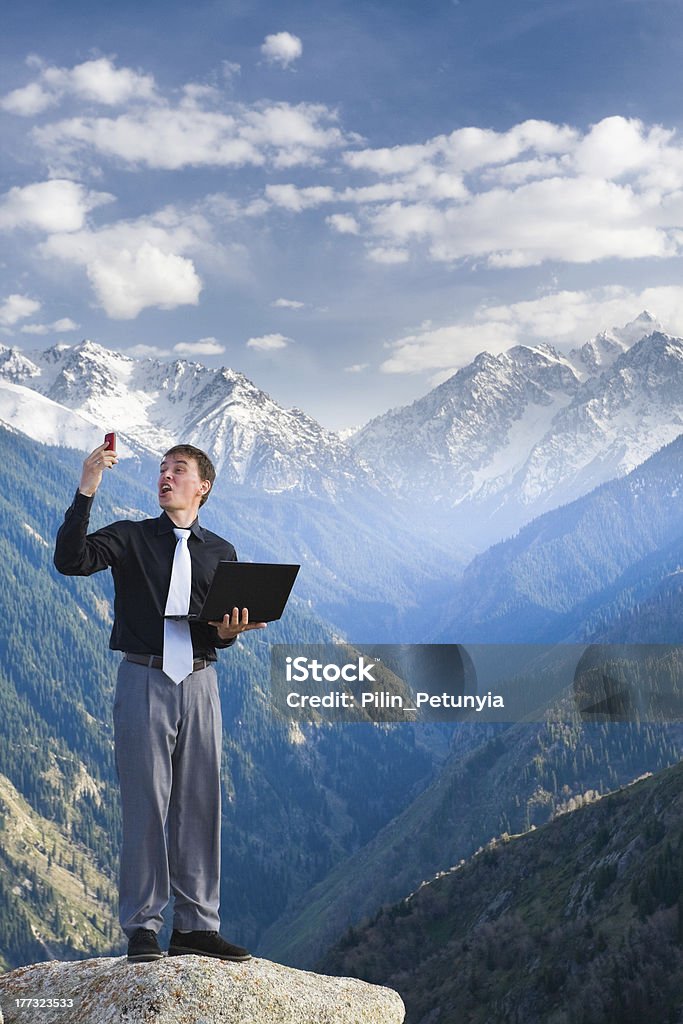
(178, 655)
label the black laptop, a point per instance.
(261, 587)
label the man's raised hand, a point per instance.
(94, 466)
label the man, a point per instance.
(167, 716)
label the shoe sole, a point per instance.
(144, 958)
(184, 951)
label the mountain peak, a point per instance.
(644, 323)
(152, 403)
(646, 316)
(93, 349)
(604, 349)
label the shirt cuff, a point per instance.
(82, 503)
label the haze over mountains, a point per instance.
(570, 573)
(503, 440)
(511, 436)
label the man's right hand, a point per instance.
(93, 468)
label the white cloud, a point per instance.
(36, 329)
(295, 133)
(133, 265)
(288, 304)
(28, 101)
(269, 342)
(616, 147)
(569, 318)
(448, 347)
(201, 130)
(157, 137)
(424, 184)
(57, 205)
(101, 82)
(343, 223)
(356, 368)
(59, 327)
(519, 171)
(383, 254)
(466, 149)
(147, 352)
(96, 81)
(565, 319)
(282, 48)
(230, 70)
(297, 199)
(534, 193)
(579, 220)
(203, 347)
(128, 282)
(15, 308)
(401, 222)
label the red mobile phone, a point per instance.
(110, 442)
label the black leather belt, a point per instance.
(155, 661)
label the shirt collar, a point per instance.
(165, 525)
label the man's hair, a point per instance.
(204, 464)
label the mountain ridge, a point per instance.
(580, 919)
(151, 403)
(504, 439)
(511, 436)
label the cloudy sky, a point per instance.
(345, 201)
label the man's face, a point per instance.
(180, 487)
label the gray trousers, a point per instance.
(167, 743)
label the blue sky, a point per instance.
(344, 201)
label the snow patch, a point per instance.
(36, 536)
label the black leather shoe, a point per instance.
(143, 946)
(206, 944)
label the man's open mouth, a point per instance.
(165, 489)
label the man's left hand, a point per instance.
(232, 625)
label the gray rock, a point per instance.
(191, 990)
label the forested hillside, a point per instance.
(498, 779)
(580, 920)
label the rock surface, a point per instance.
(191, 990)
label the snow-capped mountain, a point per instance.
(27, 412)
(614, 423)
(473, 430)
(152, 404)
(513, 435)
(606, 347)
(505, 439)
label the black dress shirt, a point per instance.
(140, 555)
